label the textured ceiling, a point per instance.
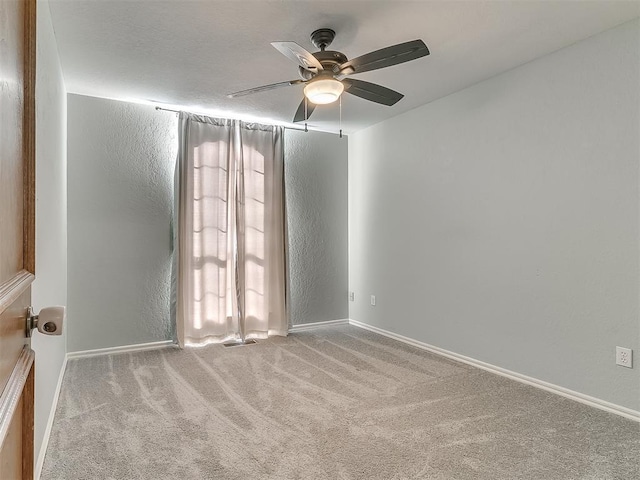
(191, 54)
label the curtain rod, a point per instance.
(286, 128)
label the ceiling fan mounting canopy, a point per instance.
(324, 72)
(322, 38)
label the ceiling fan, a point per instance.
(323, 73)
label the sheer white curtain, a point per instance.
(230, 233)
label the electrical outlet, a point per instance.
(352, 296)
(373, 300)
(624, 357)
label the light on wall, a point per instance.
(323, 91)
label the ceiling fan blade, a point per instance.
(271, 86)
(299, 55)
(300, 113)
(371, 91)
(385, 57)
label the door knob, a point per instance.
(49, 321)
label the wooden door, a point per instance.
(17, 239)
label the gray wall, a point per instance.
(50, 286)
(501, 222)
(317, 209)
(121, 158)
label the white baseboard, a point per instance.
(123, 349)
(309, 326)
(549, 387)
(47, 430)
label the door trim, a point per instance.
(13, 390)
(11, 290)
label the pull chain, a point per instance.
(340, 116)
(305, 114)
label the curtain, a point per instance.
(229, 237)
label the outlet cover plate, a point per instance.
(373, 300)
(624, 357)
(352, 296)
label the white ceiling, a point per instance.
(191, 54)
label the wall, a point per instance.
(50, 286)
(121, 158)
(501, 222)
(317, 207)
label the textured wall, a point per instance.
(121, 158)
(317, 207)
(501, 222)
(50, 287)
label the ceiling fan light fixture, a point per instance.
(323, 91)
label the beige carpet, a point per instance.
(331, 403)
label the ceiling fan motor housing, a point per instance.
(328, 58)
